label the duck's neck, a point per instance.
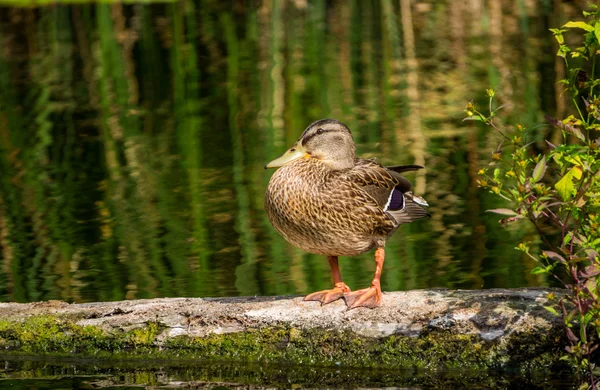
(338, 155)
(339, 159)
(338, 165)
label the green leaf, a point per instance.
(587, 318)
(559, 38)
(497, 173)
(575, 160)
(474, 118)
(539, 170)
(583, 386)
(503, 212)
(582, 25)
(551, 310)
(563, 50)
(566, 357)
(539, 270)
(597, 31)
(565, 186)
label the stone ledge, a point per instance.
(481, 328)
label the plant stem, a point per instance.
(490, 123)
(593, 71)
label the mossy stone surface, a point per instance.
(422, 330)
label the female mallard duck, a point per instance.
(326, 201)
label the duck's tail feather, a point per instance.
(405, 168)
(414, 209)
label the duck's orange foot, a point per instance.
(328, 296)
(367, 297)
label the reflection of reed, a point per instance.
(123, 159)
(341, 24)
(370, 111)
(477, 252)
(7, 253)
(499, 76)
(393, 82)
(245, 273)
(127, 37)
(188, 127)
(417, 137)
(82, 42)
(457, 33)
(272, 92)
(270, 17)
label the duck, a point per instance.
(325, 200)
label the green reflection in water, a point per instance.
(39, 373)
(133, 139)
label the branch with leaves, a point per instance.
(558, 191)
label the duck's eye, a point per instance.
(320, 131)
(292, 149)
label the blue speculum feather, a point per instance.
(396, 201)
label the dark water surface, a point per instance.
(91, 374)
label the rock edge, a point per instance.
(503, 327)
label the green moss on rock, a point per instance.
(49, 335)
(42, 334)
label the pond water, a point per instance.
(38, 373)
(133, 139)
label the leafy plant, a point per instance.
(558, 191)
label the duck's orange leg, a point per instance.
(339, 289)
(368, 297)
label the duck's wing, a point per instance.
(389, 190)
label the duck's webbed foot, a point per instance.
(328, 296)
(367, 297)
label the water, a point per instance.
(87, 374)
(133, 139)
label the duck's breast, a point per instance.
(318, 217)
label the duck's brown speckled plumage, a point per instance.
(326, 201)
(335, 213)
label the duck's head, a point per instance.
(327, 140)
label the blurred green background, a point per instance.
(133, 138)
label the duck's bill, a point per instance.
(287, 157)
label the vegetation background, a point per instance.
(133, 138)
